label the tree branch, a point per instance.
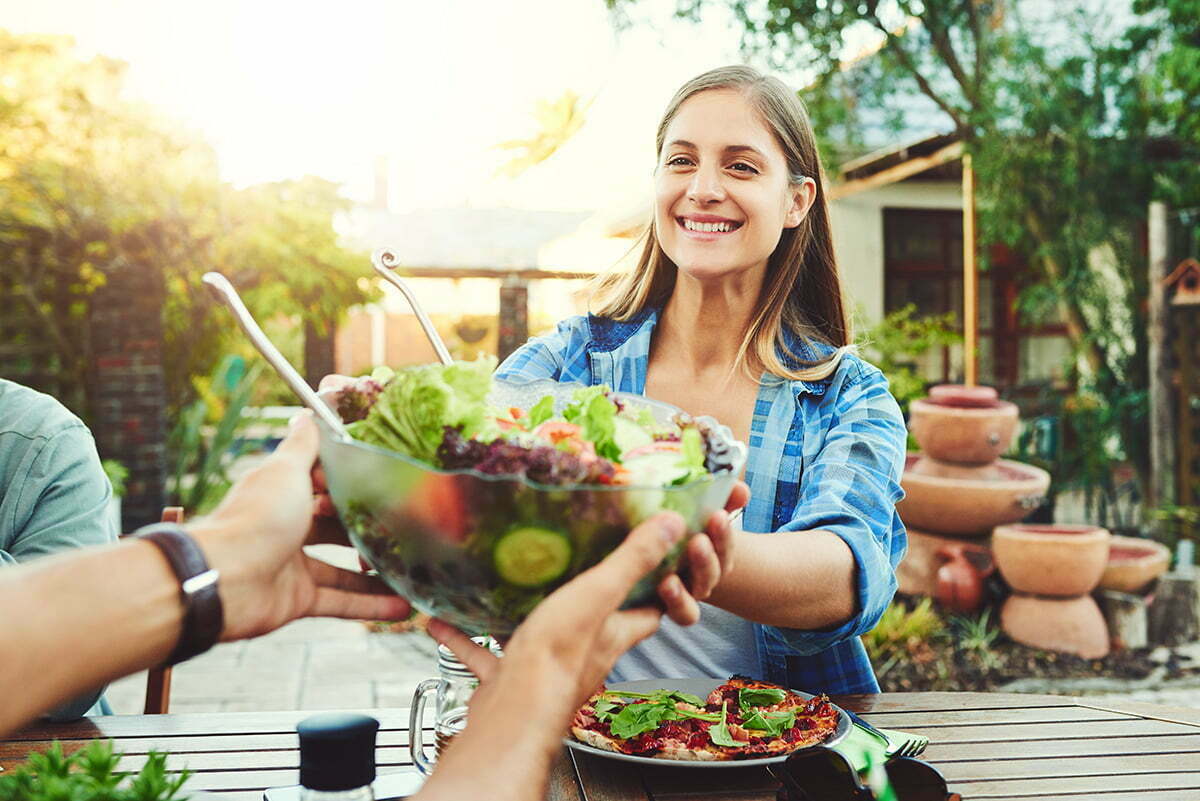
(977, 34)
(1077, 329)
(940, 34)
(893, 42)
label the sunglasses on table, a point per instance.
(822, 774)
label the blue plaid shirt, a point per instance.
(823, 455)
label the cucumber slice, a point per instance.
(657, 468)
(629, 435)
(531, 556)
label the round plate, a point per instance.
(700, 687)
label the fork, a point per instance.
(896, 743)
(904, 745)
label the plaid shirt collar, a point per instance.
(609, 335)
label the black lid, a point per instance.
(337, 751)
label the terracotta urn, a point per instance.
(963, 434)
(953, 571)
(1051, 559)
(949, 499)
(960, 578)
(1133, 563)
(1071, 625)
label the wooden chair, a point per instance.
(158, 680)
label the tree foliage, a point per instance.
(92, 184)
(1077, 115)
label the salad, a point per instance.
(440, 415)
(507, 490)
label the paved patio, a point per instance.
(310, 664)
(319, 663)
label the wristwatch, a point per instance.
(203, 615)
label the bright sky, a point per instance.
(283, 89)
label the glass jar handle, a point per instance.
(416, 716)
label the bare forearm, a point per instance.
(69, 626)
(800, 580)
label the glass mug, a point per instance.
(452, 689)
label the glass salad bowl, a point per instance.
(480, 551)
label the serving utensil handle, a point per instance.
(384, 261)
(223, 290)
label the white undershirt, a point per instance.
(719, 646)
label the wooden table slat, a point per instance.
(696, 781)
(993, 717)
(563, 784)
(253, 779)
(1181, 714)
(942, 754)
(14, 752)
(604, 780)
(1132, 727)
(195, 724)
(922, 703)
(983, 770)
(1027, 788)
(251, 760)
(1149, 794)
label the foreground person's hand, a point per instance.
(557, 657)
(255, 539)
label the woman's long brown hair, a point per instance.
(801, 293)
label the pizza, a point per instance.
(740, 719)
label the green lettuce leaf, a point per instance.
(692, 457)
(418, 404)
(592, 411)
(541, 411)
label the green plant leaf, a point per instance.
(760, 696)
(719, 734)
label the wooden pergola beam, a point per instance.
(970, 274)
(499, 273)
(894, 174)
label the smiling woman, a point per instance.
(735, 311)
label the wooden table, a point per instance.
(988, 745)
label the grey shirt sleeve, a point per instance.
(56, 499)
(60, 499)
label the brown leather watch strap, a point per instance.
(203, 615)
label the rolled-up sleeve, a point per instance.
(850, 489)
(543, 356)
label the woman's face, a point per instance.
(722, 193)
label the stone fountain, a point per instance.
(959, 491)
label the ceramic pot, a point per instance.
(1058, 560)
(1133, 563)
(970, 504)
(960, 434)
(920, 572)
(1070, 625)
(960, 578)
(963, 395)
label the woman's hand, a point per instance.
(710, 556)
(255, 539)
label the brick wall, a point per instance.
(128, 392)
